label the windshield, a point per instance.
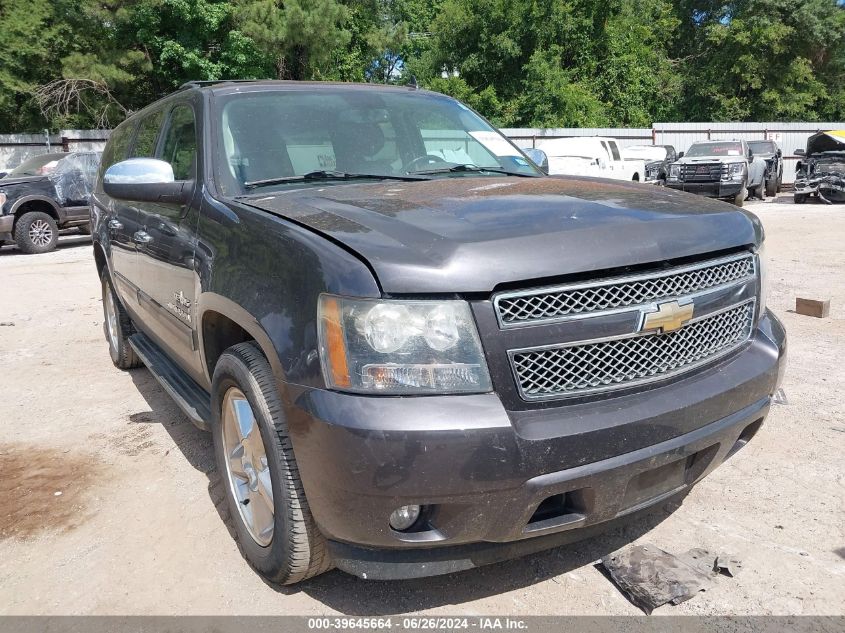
(762, 147)
(37, 165)
(715, 149)
(271, 135)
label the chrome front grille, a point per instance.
(578, 300)
(590, 367)
(706, 172)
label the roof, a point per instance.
(236, 85)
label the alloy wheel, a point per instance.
(246, 466)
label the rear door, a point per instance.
(119, 220)
(166, 252)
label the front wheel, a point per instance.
(759, 191)
(273, 525)
(772, 187)
(36, 232)
(740, 197)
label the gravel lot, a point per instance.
(136, 529)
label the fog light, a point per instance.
(404, 517)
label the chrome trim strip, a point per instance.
(611, 281)
(635, 382)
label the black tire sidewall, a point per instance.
(272, 559)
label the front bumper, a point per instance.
(7, 222)
(482, 471)
(710, 189)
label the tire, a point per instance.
(759, 191)
(284, 545)
(772, 187)
(780, 182)
(85, 229)
(36, 232)
(739, 198)
(117, 327)
(800, 198)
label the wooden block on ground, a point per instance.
(812, 307)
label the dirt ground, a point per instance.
(108, 496)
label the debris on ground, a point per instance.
(651, 577)
(813, 307)
(780, 397)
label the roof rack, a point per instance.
(200, 83)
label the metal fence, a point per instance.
(16, 148)
(788, 136)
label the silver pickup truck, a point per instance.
(720, 169)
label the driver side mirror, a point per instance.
(146, 180)
(681, 155)
(539, 158)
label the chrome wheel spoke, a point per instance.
(247, 467)
(262, 516)
(265, 484)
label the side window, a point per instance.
(145, 140)
(117, 146)
(615, 150)
(180, 143)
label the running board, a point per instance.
(191, 398)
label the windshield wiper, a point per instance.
(325, 175)
(473, 168)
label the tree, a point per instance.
(299, 36)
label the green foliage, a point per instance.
(518, 62)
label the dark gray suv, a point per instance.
(417, 353)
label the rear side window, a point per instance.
(145, 140)
(180, 143)
(615, 150)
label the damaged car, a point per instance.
(821, 170)
(772, 154)
(44, 195)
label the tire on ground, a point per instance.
(36, 232)
(800, 198)
(772, 187)
(297, 550)
(759, 191)
(118, 328)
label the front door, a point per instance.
(166, 249)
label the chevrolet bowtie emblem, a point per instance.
(670, 316)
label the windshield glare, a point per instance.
(37, 165)
(280, 134)
(715, 149)
(762, 147)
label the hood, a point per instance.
(472, 234)
(692, 160)
(8, 181)
(832, 141)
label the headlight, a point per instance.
(400, 347)
(763, 267)
(736, 171)
(674, 172)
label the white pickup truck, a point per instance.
(590, 156)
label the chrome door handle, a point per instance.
(114, 225)
(142, 237)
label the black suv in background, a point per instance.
(773, 155)
(415, 352)
(44, 195)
